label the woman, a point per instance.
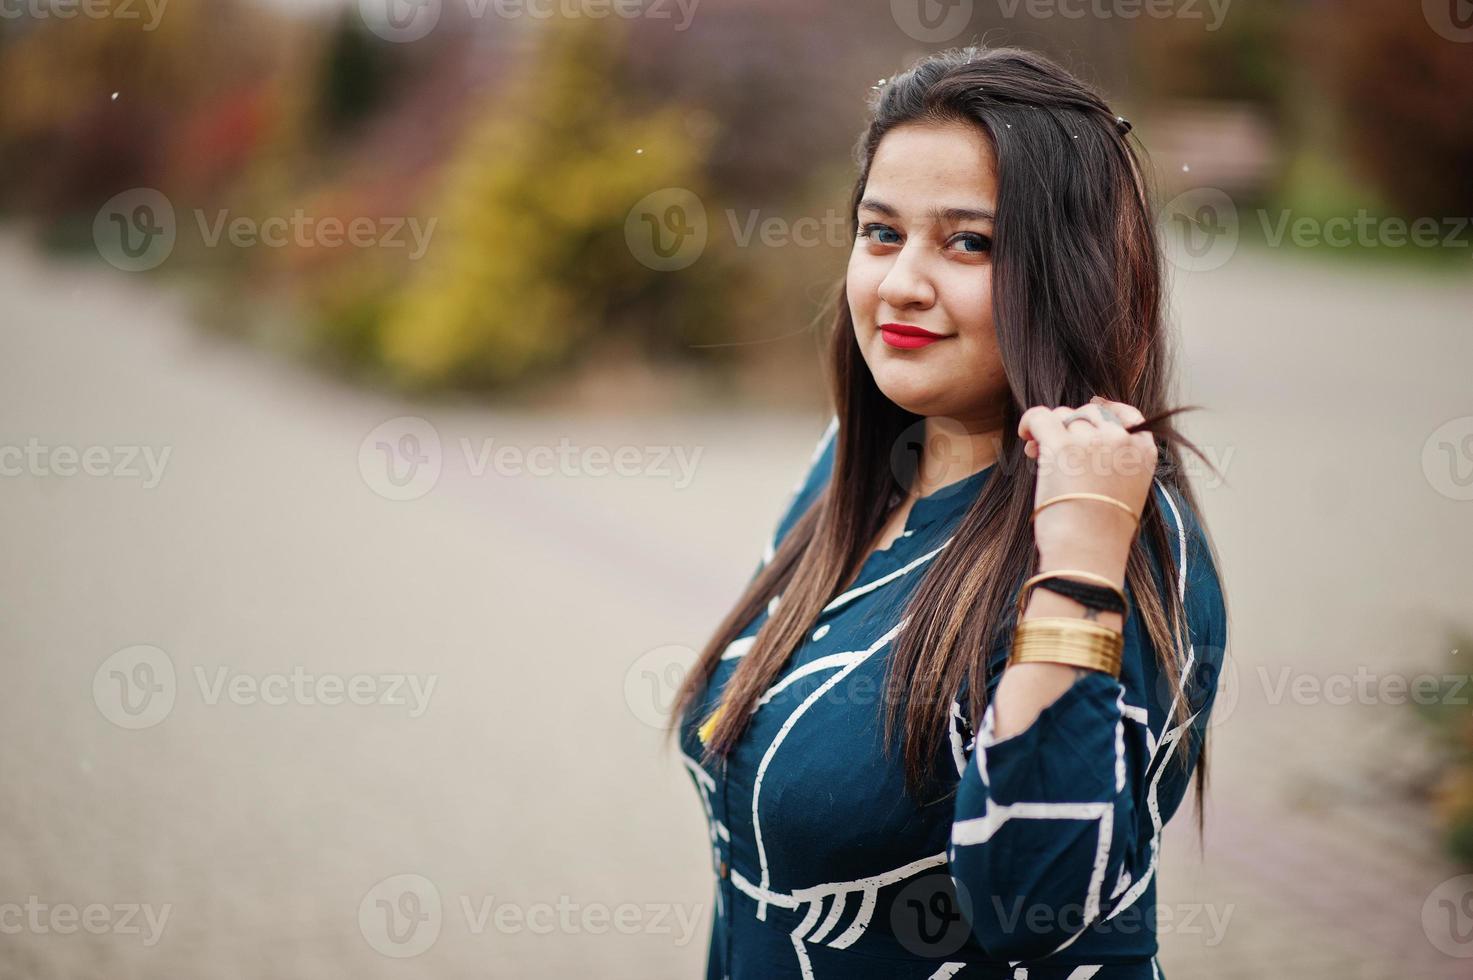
(904, 774)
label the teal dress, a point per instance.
(1037, 856)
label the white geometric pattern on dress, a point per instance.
(981, 829)
(777, 741)
(826, 907)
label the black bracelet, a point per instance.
(1086, 594)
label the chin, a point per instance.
(911, 386)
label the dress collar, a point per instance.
(949, 500)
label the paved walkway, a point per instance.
(267, 571)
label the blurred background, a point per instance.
(394, 395)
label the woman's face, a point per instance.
(923, 259)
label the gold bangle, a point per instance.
(1086, 653)
(1070, 624)
(1077, 573)
(1070, 627)
(1102, 498)
(1083, 661)
(1067, 640)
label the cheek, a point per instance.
(862, 285)
(969, 306)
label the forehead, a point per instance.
(920, 164)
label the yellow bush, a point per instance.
(528, 254)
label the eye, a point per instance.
(870, 230)
(976, 243)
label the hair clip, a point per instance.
(1122, 125)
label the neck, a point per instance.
(954, 450)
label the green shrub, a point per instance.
(528, 258)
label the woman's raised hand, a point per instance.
(1091, 453)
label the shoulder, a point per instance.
(1192, 570)
(810, 483)
(1192, 573)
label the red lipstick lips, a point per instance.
(907, 337)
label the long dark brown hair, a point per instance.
(1077, 295)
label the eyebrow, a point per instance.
(940, 215)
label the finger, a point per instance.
(1110, 415)
(1041, 424)
(1115, 417)
(1128, 414)
(1092, 415)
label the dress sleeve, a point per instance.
(1059, 826)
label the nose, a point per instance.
(906, 285)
